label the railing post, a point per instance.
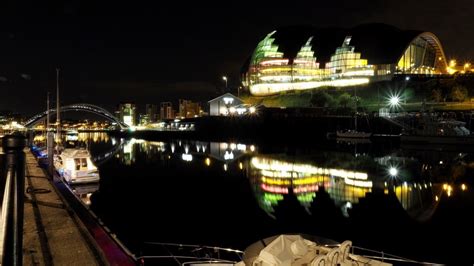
(13, 146)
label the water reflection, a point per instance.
(85, 191)
(414, 181)
(272, 179)
(186, 150)
(338, 191)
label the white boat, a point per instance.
(289, 250)
(72, 135)
(352, 134)
(76, 167)
(440, 131)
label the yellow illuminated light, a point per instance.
(207, 161)
(263, 89)
(436, 198)
(463, 187)
(241, 166)
(358, 183)
(285, 169)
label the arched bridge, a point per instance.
(78, 107)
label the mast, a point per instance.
(58, 116)
(47, 113)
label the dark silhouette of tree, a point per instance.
(459, 93)
(437, 95)
(344, 99)
(321, 99)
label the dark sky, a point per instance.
(154, 51)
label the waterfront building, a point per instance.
(143, 119)
(223, 104)
(128, 113)
(166, 111)
(189, 109)
(304, 57)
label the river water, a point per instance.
(410, 201)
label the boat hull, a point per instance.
(353, 134)
(80, 177)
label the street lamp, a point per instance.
(392, 171)
(225, 79)
(394, 101)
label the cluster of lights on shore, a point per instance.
(463, 69)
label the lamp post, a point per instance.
(225, 79)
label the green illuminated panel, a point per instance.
(266, 49)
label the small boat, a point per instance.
(352, 134)
(439, 132)
(75, 166)
(291, 250)
(72, 135)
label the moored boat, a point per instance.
(75, 166)
(353, 134)
(439, 132)
(290, 250)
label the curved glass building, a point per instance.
(304, 57)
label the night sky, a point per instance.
(149, 53)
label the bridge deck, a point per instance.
(52, 235)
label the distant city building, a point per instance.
(223, 104)
(166, 111)
(151, 112)
(303, 57)
(128, 113)
(189, 109)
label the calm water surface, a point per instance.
(403, 200)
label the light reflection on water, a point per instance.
(288, 185)
(274, 178)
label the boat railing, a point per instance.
(185, 254)
(383, 256)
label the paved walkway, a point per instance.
(52, 235)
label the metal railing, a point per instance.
(12, 185)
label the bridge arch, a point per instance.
(78, 107)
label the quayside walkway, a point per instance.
(53, 234)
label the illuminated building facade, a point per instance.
(223, 104)
(151, 112)
(128, 113)
(300, 58)
(189, 109)
(166, 111)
